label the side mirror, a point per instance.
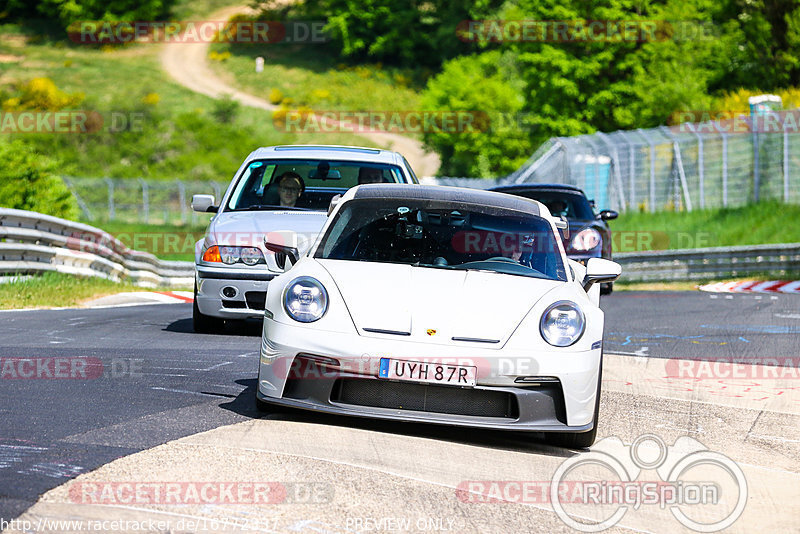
(607, 215)
(334, 202)
(204, 203)
(600, 270)
(563, 224)
(283, 245)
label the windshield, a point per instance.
(570, 205)
(445, 236)
(304, 184)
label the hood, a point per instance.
(406, 302)
(248, 228)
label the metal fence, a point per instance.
(710, 164)
(140, 201)
(701, 165)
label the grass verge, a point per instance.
(755, 224)
(56, 290)
(167, 242)
(311, 75)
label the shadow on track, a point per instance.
(245, 404)
(250, 327)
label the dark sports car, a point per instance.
(589, 235)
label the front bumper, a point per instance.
(337, 373)
(250, 286)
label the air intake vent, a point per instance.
(425, 398)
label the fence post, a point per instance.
(700, 164)
(756, 158)
(81, 204)
(145, 200)
(111, 212)
(536, 164)
(724, 136)
(631, 172)
(182, 200)
(652, 169)
(217, 194)
(785, 164)
(676, 151)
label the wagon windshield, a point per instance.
(304, 184)
(443, 235)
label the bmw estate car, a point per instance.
(276, 188)
(439, 305)
(589, 235)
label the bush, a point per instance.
(225, 109)
(27, 182)
(43, 95)
(275, 96)
(66, 12)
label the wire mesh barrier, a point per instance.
(694, 165)
(701, 165)
(140, 201)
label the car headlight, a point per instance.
(305, 299)
(232, 255)
(562, 324)
(586, 239)
(250, 255)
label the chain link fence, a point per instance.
(141, 201)
(709, 164)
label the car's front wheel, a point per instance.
(204, 324)
(579, 440)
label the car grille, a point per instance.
(256, 300)
(425, 398)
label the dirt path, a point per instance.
(188, 65)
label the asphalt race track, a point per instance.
(147, 379)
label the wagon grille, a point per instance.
(425, 398)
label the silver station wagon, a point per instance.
(277, 190)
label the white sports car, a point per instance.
(440, 305)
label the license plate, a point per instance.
(429, 373)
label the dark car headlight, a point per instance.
(585, 240)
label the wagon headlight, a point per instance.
(562, 324)
(231, 255)
(585, 240)
(305, 299)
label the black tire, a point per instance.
(579, 440)
(606, 289)
(204, 324)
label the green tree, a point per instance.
(28, 182)
(482, 86)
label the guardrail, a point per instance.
(709, 263)
(31, 242)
